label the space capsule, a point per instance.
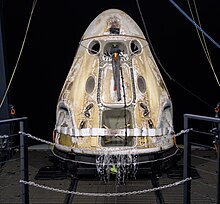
(114, 98)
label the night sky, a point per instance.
(53, 38)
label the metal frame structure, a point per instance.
(4, 113)
(187, 152)
(23, 155)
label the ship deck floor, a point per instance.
(203, 188)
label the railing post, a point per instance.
(217, 141)
(186, 164)
(24, 163)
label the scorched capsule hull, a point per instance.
(114, 98)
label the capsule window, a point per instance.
(135, 47)
(90, 84)
(63, 115)
(141, 84)
(109, 48)
(114, 119)
(94, 47)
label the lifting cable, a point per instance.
(208, 36)
(154, 53)
(125, 106)
(19, 56)
(198, 28)
(204, 46)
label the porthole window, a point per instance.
(94, 47)
(135, 47)
(141, 84)
(62, 115)
(90, 84)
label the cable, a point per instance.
(204, 46)
(19, 56)
(125, 105)
(213, 41)
(154, 53)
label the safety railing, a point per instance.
(22, 123)
(187, 153)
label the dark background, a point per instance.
(53, 38)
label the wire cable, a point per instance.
(208, 36)
(154, 53)
(203, 43)
(19, 56)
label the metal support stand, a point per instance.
(23, 155)
(186, 164)
(158, 193)
(24, 164)
(156, 172)
(187, 155)
(4, 113)
(217, 142)
(72, 187)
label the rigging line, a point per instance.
(208, 36)
(146, 32)
(19, 56)
(203, 38)
(204, 45)
(212, 107)
(172, 79)
(125, 105)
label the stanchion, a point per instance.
(186, 164)
(24, 163)
(217, 142)
(187, 156)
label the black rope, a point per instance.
(125, 112)
(154, 53)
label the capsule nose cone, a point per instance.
(113, 22)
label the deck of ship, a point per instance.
(203, 184)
